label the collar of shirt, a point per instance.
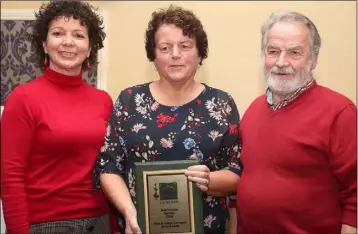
(293, 96)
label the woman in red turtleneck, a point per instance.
(52, 129)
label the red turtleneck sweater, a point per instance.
(51, 131)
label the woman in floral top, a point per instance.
(174, 118)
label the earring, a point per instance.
(45, 62)
(88, 65)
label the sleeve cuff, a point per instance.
(236, 170)
(350, 218)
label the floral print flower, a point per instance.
(216, 115)
(144, 105)
(214, 134)
(189, 143)
(154, 106)
(209, 220)
(141, 109)
(166, 143)
(137, 127)
(198, 154)
(162, 120)
(233, 129)
(210, 104)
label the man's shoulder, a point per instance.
(257, 105)
(332, 98)
(257, 102)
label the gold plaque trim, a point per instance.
(191, 203)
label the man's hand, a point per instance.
(199, 174)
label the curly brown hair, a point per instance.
(76, 9)
(181, 18)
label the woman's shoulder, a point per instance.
(25, 96)
(139, 88)
(27, 90)
(132, 91)
(216, 93)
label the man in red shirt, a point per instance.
(299, 142)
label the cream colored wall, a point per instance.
(233, 30)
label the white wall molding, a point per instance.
(18, 14)
(102, 72)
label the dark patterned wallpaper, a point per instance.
(17, 58)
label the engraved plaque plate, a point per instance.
(169, 206)
(167, 202)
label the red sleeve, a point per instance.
(17, 133)
(112, 212)
(343, 161)
(113, 223)
(112, 217)
(109, 105)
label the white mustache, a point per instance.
(286, 70)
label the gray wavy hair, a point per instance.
(286, 16)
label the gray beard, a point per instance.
(285, 87)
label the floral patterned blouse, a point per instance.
(140, 129)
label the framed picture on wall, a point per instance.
(18, 64)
